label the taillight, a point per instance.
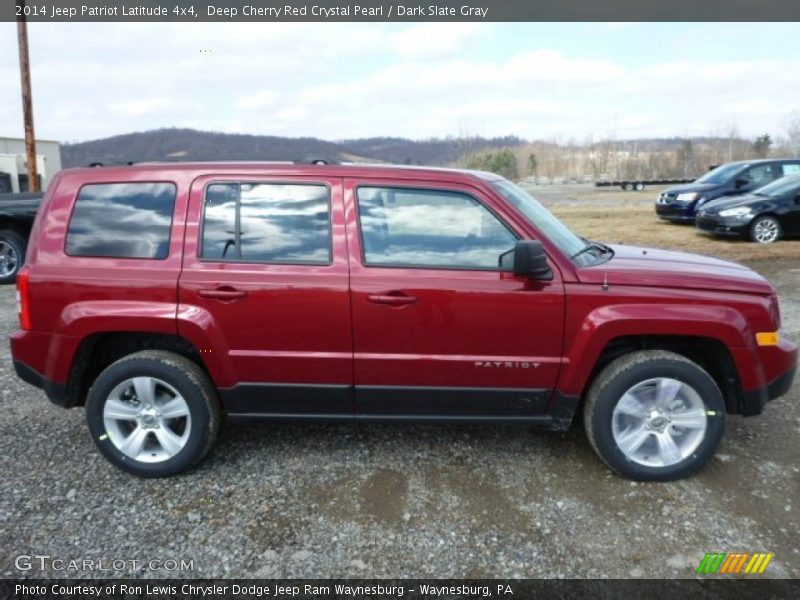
(23, 299)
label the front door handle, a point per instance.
(225, 293)
(392, 299)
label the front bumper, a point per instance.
(780, 359)
(724, 226)
(678, 212)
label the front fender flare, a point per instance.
(607, 323)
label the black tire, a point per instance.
(639, 187)
(185, 377)
(765, 220)
(618, 378)
(18, 246)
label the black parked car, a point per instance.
(680, 203)
(17, 212)
(765, 215)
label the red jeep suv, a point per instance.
(164, 296)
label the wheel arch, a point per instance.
(9, 223)
(99, 350)
(709, 353)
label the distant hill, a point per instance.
(190, 144)
(426, 152)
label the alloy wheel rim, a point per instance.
(766, 231)
(659, 422)
(147, 419)
(8, 259)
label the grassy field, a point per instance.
(634, 222)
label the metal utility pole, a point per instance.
(27, 103)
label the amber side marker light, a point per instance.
(23, 300)
(768, 338)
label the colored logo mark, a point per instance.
(734, 562)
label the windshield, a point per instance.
(782, 186)
(569, 243)
(721, 174)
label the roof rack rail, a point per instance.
(97, 163)
(314, 160)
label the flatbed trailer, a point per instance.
(639, 184)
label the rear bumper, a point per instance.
(56, 392)
(30, 351)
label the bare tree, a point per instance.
(686, 155)
(793, 133)
(762, 145)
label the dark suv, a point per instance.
(680, 203)
(166, 296)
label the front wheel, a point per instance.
(765, 230)
(153, 413)
(654, 416)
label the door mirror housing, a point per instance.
(530, 260)
(741, 182)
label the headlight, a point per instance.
(688, 197)
(741, 211)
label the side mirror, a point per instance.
(531, 261)
(740, 183)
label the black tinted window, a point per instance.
(267, 222)
(429, 228)
(122, 220)
(762, 174)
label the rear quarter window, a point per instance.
(122, 220)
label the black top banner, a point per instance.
(394, 10)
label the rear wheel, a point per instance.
(12, 255)
(766, 230)
(153, 413)
(654, 416)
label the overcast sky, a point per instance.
(335, 81)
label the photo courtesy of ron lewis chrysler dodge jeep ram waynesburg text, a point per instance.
(163, 297)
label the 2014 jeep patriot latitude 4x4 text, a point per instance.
(163, 296)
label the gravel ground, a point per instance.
(396, 500)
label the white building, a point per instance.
(14, 163)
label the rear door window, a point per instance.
(122, 220)
(277, 223)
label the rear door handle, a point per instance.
(224, 293)
(392, 299)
